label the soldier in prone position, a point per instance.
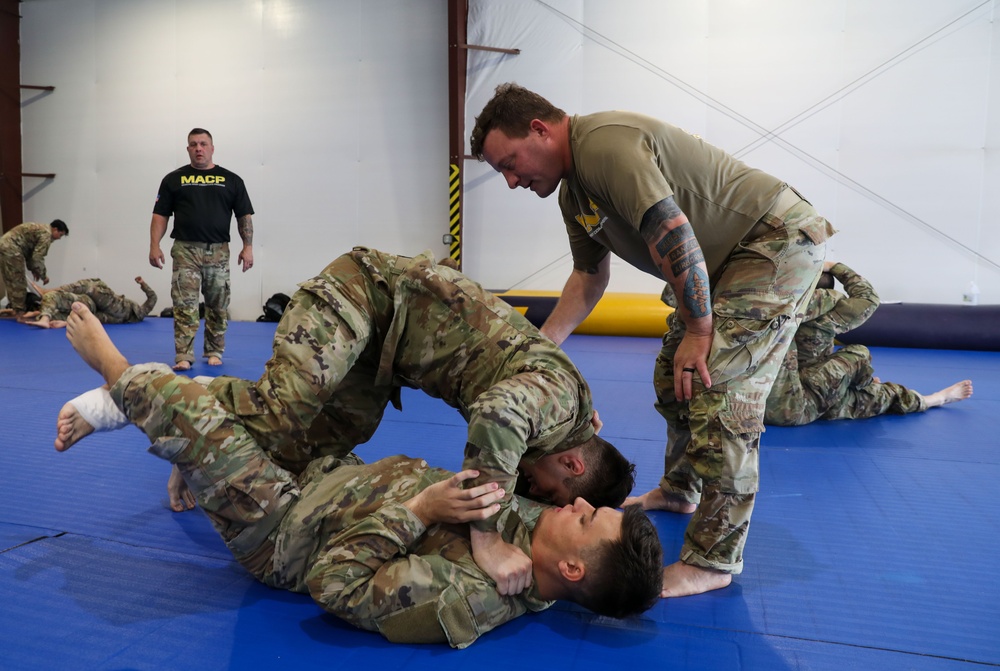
(109, 307)
(819, 381)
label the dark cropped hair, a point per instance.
(625, 576)
(608, 477)
(60, 226)
(511, 111)
(201, 131)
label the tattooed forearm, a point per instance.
(665, 210)
(696, 293)
(681, 249)
(245, 227)
(686, 249)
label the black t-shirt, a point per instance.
(202, 202)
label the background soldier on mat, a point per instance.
(383, 546)
(108, 306)
(26, 244)
(818, 381)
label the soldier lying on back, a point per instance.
(383, 546)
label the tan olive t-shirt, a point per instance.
(624, 163)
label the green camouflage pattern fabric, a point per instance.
(713, 440)
(199, 269)
(25, 244)
(108, 306)
(840, 386)
(373, 322)
(338, 531)
(817, 382)
(831, 313)
(56, 304)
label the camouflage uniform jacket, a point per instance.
(828, 314)
(339, 531)
(31, 241)
(447, 336)
(364, 557)
(831, 313)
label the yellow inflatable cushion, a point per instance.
(619, 314)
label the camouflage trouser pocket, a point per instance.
(246, 402)
(169, 448)
(232, 481)
(739, 440)
(236, 395)
(740, 344)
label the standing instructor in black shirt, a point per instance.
(203, 197)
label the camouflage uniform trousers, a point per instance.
(318, 394)
(244, 494)
(199, 268)
(712, 441)
(14, 279)
(838, 387)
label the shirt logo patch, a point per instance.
(592, 223)
(214, 180)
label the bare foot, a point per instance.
(70, 427)
(214, 361)
(680, 579)
(182, 365)
(31, 315)
(657, 499)
(88, 337)
(956, 392)
(876, 380)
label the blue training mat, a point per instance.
(871, 547)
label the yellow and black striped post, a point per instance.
(454, 237)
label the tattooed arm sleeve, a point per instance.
(676, 251)
(244, 225)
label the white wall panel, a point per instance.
(333, 111)
(884, 114)
(887, 117)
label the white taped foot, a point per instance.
(98, 409)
